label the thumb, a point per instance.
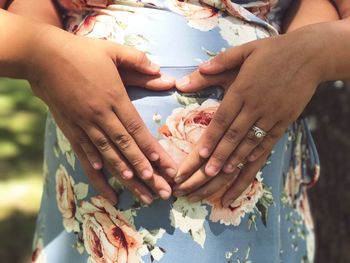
(131, 58)
(226, 60)
(152, 82)
(196, 81)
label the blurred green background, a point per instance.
(22, 121)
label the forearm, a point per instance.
(336, 40)
(306, 12)
(15, 41)
(43, 11)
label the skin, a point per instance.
(98, 118)
(269, 97)
(214, 73)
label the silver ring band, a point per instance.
(259, 133)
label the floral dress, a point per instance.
(270, 222)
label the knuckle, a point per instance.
(137, 162)
(116, 164)
(102, 144)
(219, 157)
(83, 140)
(220, 119)
(95, 108)
(134, 126)
(123, 141)
(232, 134)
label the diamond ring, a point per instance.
(259, 133)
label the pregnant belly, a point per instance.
(173, 33)
(177, 36)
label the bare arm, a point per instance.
(343, 7)
(306, 12)
(43, 11)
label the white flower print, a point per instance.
(189, 218)
(149, 243)
(65, 147)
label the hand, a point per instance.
(277, 77)
(78, 79)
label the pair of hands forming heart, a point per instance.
(264, 86)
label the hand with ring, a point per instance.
(266, 89)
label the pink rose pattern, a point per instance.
(103, 231)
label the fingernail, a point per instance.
(154, 67)
(205, 64)
(178, 179)
(229, 168)
(179, 193)
(167, 78)
(228, 203)
(251, 158)
(183, 82)
(146, 174)
(164, 194)
(171, 172)
(154, 156)
(127, 174)
(204, 152)
(211, 170)
(97, 165)
(146, 199)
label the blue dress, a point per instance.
(270, 222)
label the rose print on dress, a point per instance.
(199, 15)
(244, 204)
(66, 199)
(108, 236)
(261, 8)
(181, 132)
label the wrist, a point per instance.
(17, 51)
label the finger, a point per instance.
(222, 119)
(197, 81)
(245, 178)
(220, 183)
(135, 186)
(269, 141)
(230, 140)
(156, 82)
(129, 57)
(160, 186)
(88, 147)
(226, 60)
(96, 178)
(196, 180)
(109, 153)
(125, 144)
(149, 146)
(247, 145)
